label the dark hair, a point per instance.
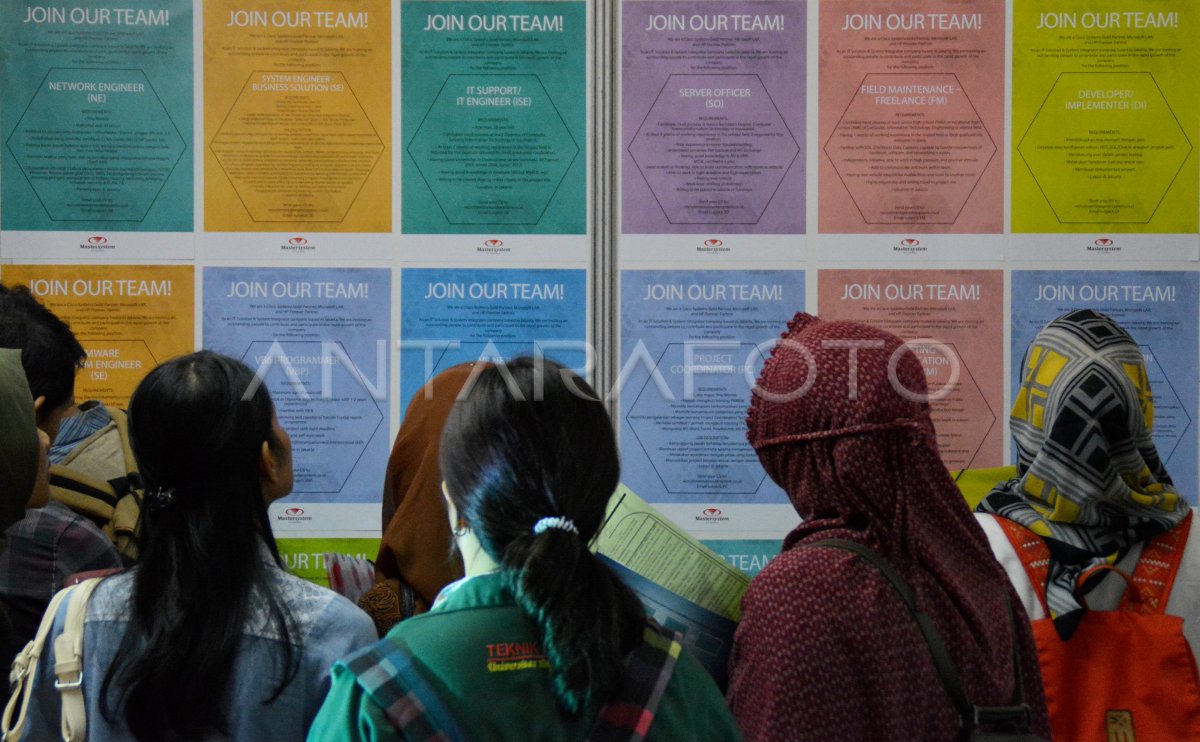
(50, 354)
(529, 441)
(197, 424)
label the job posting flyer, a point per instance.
(692, 344)
(953, 322)
(456, 315)
(319, 337)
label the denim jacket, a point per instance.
(327, 627)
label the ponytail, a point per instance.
(534, 488)
(588, 618)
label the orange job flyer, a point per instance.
(297, 116)
(129, 318)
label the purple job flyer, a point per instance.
(713, 117)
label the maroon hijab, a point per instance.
(825, 649)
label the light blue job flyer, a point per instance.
(320, 339)
(495, 117)
(1158, 309)
(96, 116)
(455, 315)
(747, 555)
(692, 344)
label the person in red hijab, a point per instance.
(826, 650)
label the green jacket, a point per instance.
(473, 648)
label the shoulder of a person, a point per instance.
(57, 513)
(997, 537)
(110, 601)
(429, 628)
(327, 626)
(75, 527)
(811, 563)
(809, 578)
(314, 604)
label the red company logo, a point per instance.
(298, 241)
(493, 243)
(1102, 242)
(97, 240)
(712, 512)
(294, 512)
(910, 242)
(713, 243)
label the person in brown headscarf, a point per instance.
(415, 558)
(826, 649)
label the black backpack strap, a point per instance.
(648, 669)
(1000, 716)
(970, 716)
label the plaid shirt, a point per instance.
(44, 548)
(75, 429)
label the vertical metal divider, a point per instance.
(604, 184)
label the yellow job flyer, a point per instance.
(129, 318)
(1106, 106)
(297, 116)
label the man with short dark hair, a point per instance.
(50, 354)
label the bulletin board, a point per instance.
(352, 195)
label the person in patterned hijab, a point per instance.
(1089, 478)
(825, 649)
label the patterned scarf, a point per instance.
(1089, 479)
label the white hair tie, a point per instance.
(557, 521)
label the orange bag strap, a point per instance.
(1033, 553)
(1156, 569)
(1152, 577)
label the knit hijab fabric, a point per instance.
(1089, 478)
(856, 454)
(864, 458)
(416, 546)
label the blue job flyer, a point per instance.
(320, 339)
(1157, 308)
(97, 116)
(692, 343)
(454, 315)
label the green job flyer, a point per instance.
(96, 116)
(494, 107)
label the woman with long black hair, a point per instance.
(208, 637)
(540, 640)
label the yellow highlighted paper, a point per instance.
(645, 541)
(129, 318)
(297, 116)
